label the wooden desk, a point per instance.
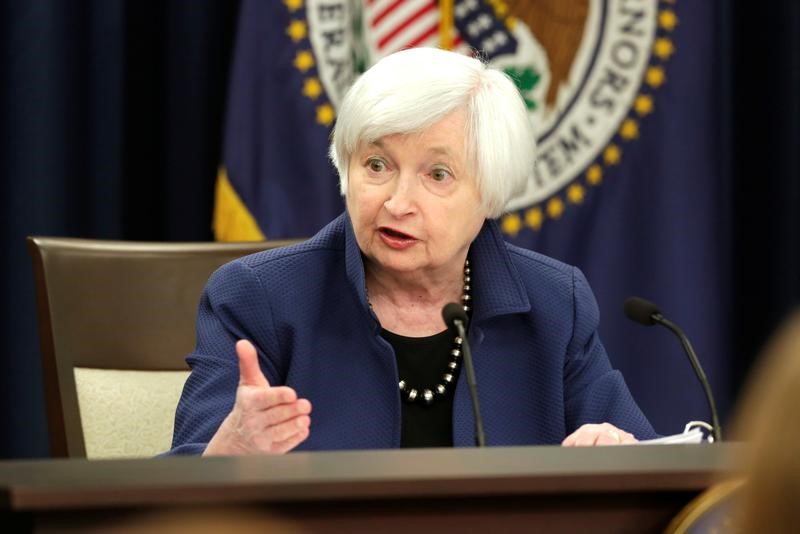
(548, 489)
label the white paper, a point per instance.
(694, 435)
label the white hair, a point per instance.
(409, 91)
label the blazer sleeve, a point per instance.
(594, 391)
(233, 306)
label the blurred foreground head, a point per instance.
(769, 420)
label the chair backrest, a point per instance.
(116, 320)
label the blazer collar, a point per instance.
(354, 263)
(497, 288)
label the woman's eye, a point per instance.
(376, 165)
(440, 175)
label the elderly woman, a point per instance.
(430, 146)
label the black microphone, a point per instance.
(456, 319)
(646, 313)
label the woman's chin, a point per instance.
(399, 261)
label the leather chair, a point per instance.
(116, 320)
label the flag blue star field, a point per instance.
(627, 184)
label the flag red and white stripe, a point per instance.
(394, 25)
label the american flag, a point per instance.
(399, 24)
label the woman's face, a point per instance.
(413, 199)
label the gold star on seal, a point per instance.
(663, 48)
(303, 60)
(555, 207)
(312, 88)
(594, 174)
(325, 114)
(629, 129)
(643, 105)
(612, 154)
(297, 30)
(511, 224)
(655, 76)
(667, 19)
(293, 5)
(511, 23)
(534, 218)
(500, 8)
(575, 194)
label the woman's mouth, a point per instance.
(395, 238)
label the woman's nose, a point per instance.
(402, 197)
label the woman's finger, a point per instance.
(261, 399)
(587, 438)
(249, 371)
(598, 434)
(578, 437)
(285, 430)
(281, 447)
(283, 412)
(608, 437)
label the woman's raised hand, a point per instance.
(264, 419)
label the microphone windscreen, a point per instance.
(452, 312)
(640, 310)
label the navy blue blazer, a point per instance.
(540, 366)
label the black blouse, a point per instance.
(421, 362)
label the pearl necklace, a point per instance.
(413, 394)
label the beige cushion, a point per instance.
(127, 414)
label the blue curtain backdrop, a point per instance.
(111, 127)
